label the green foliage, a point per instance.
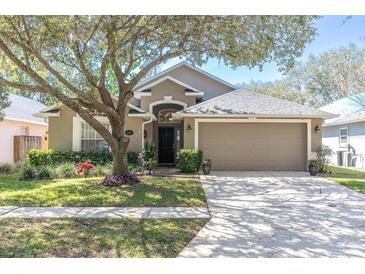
(335, 74)
(149, 151)
(99, 170)
(6, 168)
(135, 168)
(4, 102)
(66, 170)
(323, 158)
(38, 157)
(190, 160)
(132, 157)
(28, 173)
(44, 172)
(321, 79)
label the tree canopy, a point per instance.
(321, 79)
(83, 60)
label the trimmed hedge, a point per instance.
(40, 157)
(190, 160)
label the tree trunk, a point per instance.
(120, 164)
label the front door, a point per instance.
(166, 147)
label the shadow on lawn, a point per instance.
(152, 191)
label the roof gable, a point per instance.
(163, 79)
(187, 65)
(345, 107)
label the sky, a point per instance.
(332, 32)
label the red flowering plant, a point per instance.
(83, 168)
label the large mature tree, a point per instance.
(321, 79)
(335, 74)
(83, 60)
(286, 89)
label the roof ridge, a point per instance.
(214, 98)
(244, 102)
(283, 100)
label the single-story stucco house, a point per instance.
(186, 107)
(20, 130)
(345, 135)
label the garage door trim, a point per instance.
(310, 156)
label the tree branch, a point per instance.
(21, 86)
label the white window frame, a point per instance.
(89, 129)
(340, 136)
(76, 130)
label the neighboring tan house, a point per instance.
(20, 130)
(186, 107)
(345, 135)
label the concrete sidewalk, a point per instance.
(99, 212)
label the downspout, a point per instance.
(143, 124)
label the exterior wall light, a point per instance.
(317, 129)
(188, 128)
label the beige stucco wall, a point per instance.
(167, 88)
(315, 137)
(211, 87)
(189, 136)
(60, 130)
(135, 124)
(11, 128)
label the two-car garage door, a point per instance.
(254, 146)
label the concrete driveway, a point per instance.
(279, 214)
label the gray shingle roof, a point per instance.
(241, 102)
(350, 109)
(22, 108)
(348, 119)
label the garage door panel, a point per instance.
(254, 146)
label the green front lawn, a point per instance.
(152, 191)
(349, 177)
(103, 237)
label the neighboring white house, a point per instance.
(19, 121)
(345, 135)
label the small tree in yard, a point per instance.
(83, 60)
(324, 158)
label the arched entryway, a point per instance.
(167, 133)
